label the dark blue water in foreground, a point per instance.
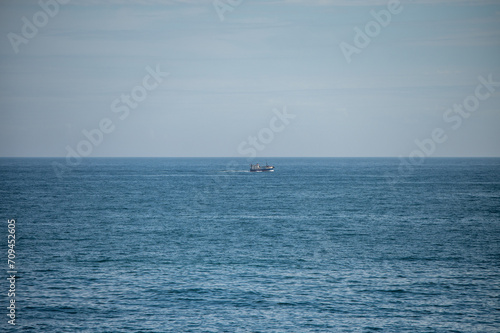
(202, 245)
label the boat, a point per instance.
(258, 168)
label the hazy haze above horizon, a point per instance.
(271, 78)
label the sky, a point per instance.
(246, 78)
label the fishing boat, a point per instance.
(258, 168)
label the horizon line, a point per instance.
(243, 157)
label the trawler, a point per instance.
(258, 168)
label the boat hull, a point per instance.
(262, 170)
(258, 168)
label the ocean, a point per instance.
(204, 245)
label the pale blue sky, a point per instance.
(226, 77)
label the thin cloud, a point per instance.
(298, 2)
(383, 2)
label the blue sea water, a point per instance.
(203, 245)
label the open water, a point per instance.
(203, 245)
